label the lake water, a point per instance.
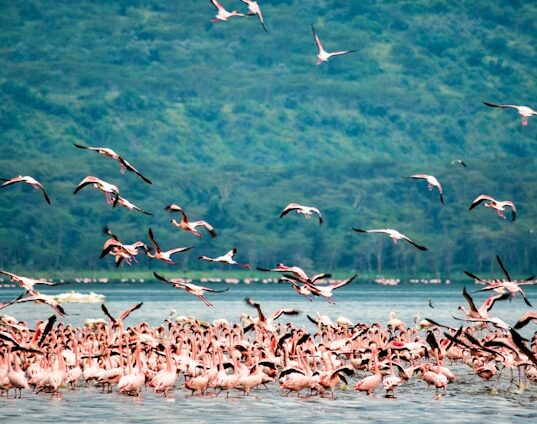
(468, 399)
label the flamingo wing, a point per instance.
(107, 313)
(480, 199)
(501, 106)
(152, 238)
(317, 40)
(504, 269)
(128, 311)
(413, 243)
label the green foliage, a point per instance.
(232, 124)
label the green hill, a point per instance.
(233, 123)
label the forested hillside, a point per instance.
(233, 123)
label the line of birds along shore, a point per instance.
(221, 356)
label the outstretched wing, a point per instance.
(152, 238)
(105, 310)
(127, 312)
(131, 168)
(413, 243)
(480, 199)
(317, 40)
(500, 106)
(504, 269)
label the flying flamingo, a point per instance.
(190, 288)
(323, 55)
(297, 271)
(223, 14)
(268, 323)
(499, 206)
(502, 286)
(525, 112)
(525, 319)
(125, 165)
(28, 180)
(124, 314)
(226, 259)
(304, 210)
(431, 182)
(393, 234)
(27, 283)
(110, 191)
(187, 225)
(130, 206)
(254, 9)
(325, 291)
(159, 254)
(43, 299)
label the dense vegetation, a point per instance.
(233, 123)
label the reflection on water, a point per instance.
(467, 399)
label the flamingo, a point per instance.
(16, 377)
(323, 55)
(509, 286)
(110, 191)
(159, 254)
(124, 164)
(525, 112)
(482, 311)
(254, 9)
(164, 380)
(223, 14)
(431, 182)
(303, 210)
(43, 299)
(525, 319)
(123, 315)
(226, 259)
(459, 161)
(327, 291)
(28, 180)
(499, 206)
(27, 283)
(269, 323)
(190, 288)
(391, 382)
(186, 225)
(297, 271)
(130, 206)
(393, 234)
(371, 382)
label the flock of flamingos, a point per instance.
(222, 357)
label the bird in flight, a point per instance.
(190, 288)
(222, 13)
(393, 234)
(525, 112)
(323, 55)
(28, 180)
(431, 182)
(254, 9)
(189, 226)
(123, 163)
(499, 206)
(159, 254)
(226, 259)
(307, 211)
(111, 191)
